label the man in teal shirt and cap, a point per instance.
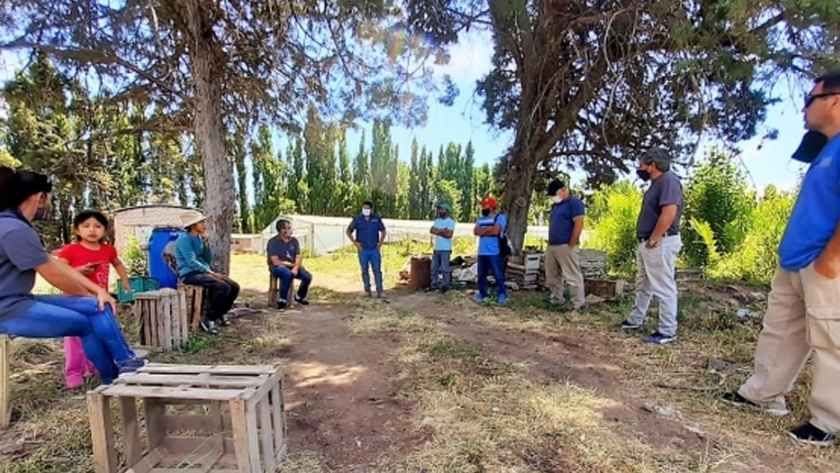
(443, 228)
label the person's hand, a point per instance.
(379, 245)
(573, 244)
(86, 269)
(126, 287)
(358, 245)
(104, 298)
(651, 244)
(205, 238)
(216, 275)
(828, 268)
(294, 271)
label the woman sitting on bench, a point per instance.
(24, 197)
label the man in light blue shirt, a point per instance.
(443, 229)
(492, 250)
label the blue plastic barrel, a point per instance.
(158, 269)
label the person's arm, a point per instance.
(67, 279)
(434, 230)
(382, 233)
(119, 267)
(184, 247)
(350, 229)
(207, 254)
(669, 199)
(577, 220)
(448, 230)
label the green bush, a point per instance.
(612, 215)
(136, 260)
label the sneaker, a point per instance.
(380, 295)
(368, 294)
(657, 338)
(281, 305)
(627, 325)
(301, 301)
(581, 309)
(443, 290)
(131, 366)
(502, 300)
(736, 399)
(430, 289)
(479, 298)
(208, 326)
(223, 322)
(75, 381)
(809, 435)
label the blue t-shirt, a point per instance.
(561, 223)
(816, 212)
(21, 252)
(192, 255)
(441, 243)
(367, 230)
(489, 245)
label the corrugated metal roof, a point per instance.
(155, 206)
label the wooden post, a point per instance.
(312, 240)
(5, 410)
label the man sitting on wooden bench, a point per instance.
(193, 258)
(284, 263)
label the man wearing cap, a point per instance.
(561, 259)
(490, 227)
(658, 232)
(442, 229)
(193, 256)
(367, 232)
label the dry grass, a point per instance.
(478, 410)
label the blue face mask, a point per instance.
(812, 143)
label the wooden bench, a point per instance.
(274, 292)
(197, 300)
(227, 419)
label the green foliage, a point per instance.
(136, 260)
(715, 194)
(612, 215)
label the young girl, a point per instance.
(93, 258)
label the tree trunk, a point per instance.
(219, 196)
(517, 197)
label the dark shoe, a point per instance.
(281, 305)
(380, 295)
(301, 301)
(131, 366)
(208, 326)
(627, 325)
(223, 322)
(430, 289)
(443, 290)
(581, 309)
(809, 435)
(736, 399)
(657, 338)
(368, 294)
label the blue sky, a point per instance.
(463, 121)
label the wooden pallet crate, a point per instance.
(5, 382)
(274, 292)
(208, 419)
(162, 318)
(197, 299)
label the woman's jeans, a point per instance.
(57, 316)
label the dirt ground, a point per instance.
(431, 383)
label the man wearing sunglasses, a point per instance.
(803, 311)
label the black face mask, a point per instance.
(643, 174)
(485, 212)
(812, 143)
(442, 214)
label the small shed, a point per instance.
(248, 243)
(139, 221)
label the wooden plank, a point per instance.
(239, 419)
(148, 379)
(192, 422)
(245, 370)
(165, 312)
(253, 437)
(267, 435)
(5, 382)
(183, 317)
(197, 306)
(131, 430)
(160, 340)
(187, 445)
(279, 421)
(175, 319)
(153, 392)
(101, 433)
(155, 428)
(273, 290)
(149, 461)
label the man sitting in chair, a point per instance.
(284, 262)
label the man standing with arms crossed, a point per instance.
(491, 254)
(442, 229)
(369, 236)
(803, 308)
(561, 260)
(658, 231)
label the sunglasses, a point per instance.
(810, 98)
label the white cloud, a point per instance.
(470, 58)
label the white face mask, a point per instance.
(557, 199)
(289, 232)
(366, 212)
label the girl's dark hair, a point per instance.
(17, 186)
(86, 215)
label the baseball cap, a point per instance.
(489, 202)
(445, 206)
(555, 186)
